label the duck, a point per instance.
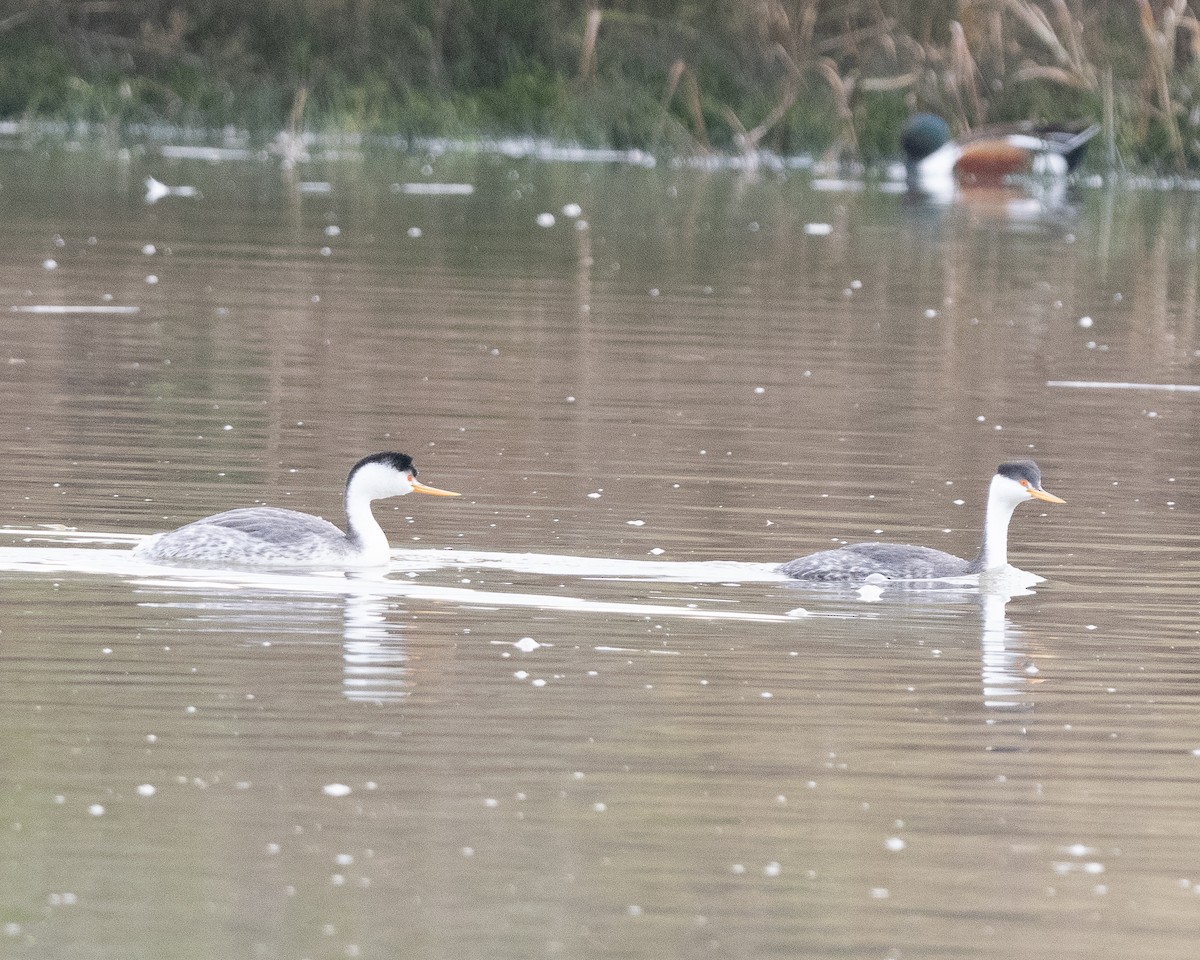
(991, 153)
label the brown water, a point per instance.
(646, 407)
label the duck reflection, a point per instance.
(1031, 203)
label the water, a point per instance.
(580, 715)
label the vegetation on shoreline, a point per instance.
(676, 76)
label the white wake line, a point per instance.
(594, 568)
(383, 589)
(55, 533)
(377, 584)
(405, 560)
(70, 308)
(1119, 385)
(411, 562)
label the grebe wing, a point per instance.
(892, 560)
(272, 525)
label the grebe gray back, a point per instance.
(269, 536)
(1013, 484)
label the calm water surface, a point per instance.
(580, 716)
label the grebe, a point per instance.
(1013, 484)
(268, 536)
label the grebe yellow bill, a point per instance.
(269, 536)
(1014, 484)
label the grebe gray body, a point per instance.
(1013, 484)
(269, 536)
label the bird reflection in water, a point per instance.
(1030, 204)
(1014, 171)
(374, 657)
(1008, 670)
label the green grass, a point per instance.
(487, 67)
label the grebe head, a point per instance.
(1019, 481)
(384, 475)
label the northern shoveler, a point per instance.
(991, 153)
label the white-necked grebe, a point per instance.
(1013, 484)
(269, 536)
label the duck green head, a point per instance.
(922, 135)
